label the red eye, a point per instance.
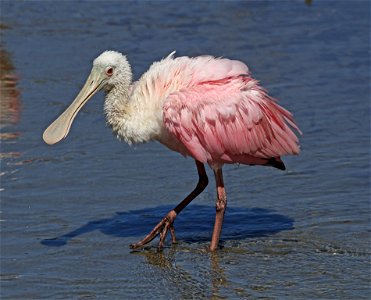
(109, 71)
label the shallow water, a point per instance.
(69, 212)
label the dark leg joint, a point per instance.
(221, 204)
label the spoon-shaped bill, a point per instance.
(61, 126)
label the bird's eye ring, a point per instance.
(109, 71)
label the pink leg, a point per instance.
(221, 204)
(166, 224)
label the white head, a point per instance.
(115, 67)
(110, 69)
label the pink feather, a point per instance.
(224, 116)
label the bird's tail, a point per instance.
(276, 162)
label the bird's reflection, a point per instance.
(159, 258)
(207, 286)
(217, 274)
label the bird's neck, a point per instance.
(116, 106)
(127, 115)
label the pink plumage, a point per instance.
(222, 115)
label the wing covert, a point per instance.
(225, 120)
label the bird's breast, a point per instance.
(171, 142)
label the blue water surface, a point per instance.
(69, 212)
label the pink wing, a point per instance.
(230, 120)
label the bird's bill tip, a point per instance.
(61, 126)
(55, 133)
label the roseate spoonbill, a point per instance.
(205, 107)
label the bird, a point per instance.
(204, 107)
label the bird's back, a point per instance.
(175, 74)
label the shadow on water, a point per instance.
(195, 224)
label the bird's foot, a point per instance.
(162, 229)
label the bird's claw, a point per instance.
(165, 229)
(162, 229)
